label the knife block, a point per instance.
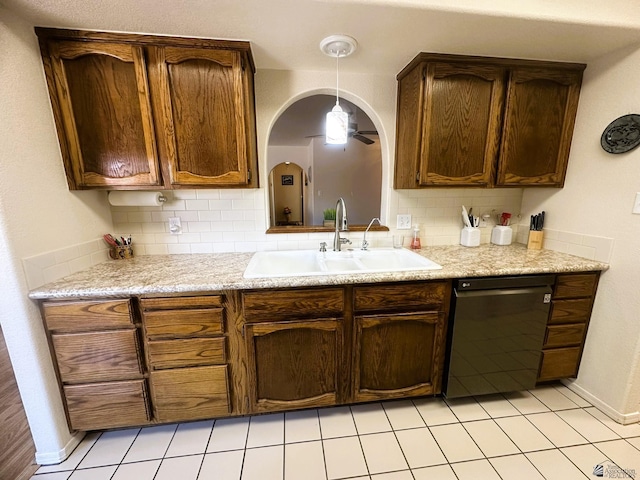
(535, 239)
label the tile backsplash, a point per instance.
(234, 221)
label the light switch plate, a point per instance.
(636, 204)
(404, 222)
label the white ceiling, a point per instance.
(285, 33)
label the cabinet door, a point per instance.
(463, 108)
(538, 125)
(102, 108)
(293, 364)
(200, 105)
(398, 355)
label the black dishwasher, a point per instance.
(499, 325)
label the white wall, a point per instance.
(597, 199)
(37, 215)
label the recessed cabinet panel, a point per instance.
(184, 323)
(463, 111)
(398, 355)
(262, 306)
(538, 126)
(186, 352)
(202, 114)
(110, 142)
(293, 364)
(400, 296)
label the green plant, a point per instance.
(330, 214)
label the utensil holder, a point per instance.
(470, 237)
(535, 239)
(501, 235)
(121, 253)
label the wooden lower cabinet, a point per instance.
(190, 393)
(293, 364)
(573, 297)
(398, 355)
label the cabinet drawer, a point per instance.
(425, 296)
(570, 311)
(564, 335)
(187, 352)
(79, 316)
(582, 285)
(97, 356)
(107, 405)
(190, 393)
(559, 363)
(184, 323)
(166, 303)
(291, 304)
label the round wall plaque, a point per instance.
(621, 135)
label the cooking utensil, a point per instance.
(465, 217)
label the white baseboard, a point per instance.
(608, 410)
(52, 458)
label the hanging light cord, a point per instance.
(337, 76)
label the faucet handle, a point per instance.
(323, 246)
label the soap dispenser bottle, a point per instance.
(415, 241)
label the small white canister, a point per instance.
(470, 237)
(501, 235)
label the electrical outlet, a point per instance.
(636, 204)
(175, 226)
(403, 222)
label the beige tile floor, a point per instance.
(547, 433)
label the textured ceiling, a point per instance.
(285, 33)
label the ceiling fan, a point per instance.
(354, 133)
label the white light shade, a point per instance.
(337, 126)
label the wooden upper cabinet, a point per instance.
(538, 125)
(480, 121)
(104, 123)
(201, 111)
(140, 112)
(463, 107)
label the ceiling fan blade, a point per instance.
(365, 140)
(367, 132)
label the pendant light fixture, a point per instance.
(337, 123)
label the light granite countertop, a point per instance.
(177, 274)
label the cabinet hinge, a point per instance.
(418, 176)
(249, 175)
(246, 403)
(242, 63)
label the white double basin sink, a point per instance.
(298, 263)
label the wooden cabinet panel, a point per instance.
(168, 303)
(186, 352)
(79, 316)
(400, 296)
(104, 112)
(564, 335)
(559, 363)
(95, 406)
(293, 364)
(184, 323)
(96, 356)
(201, 111)
(190, 393)
(570, 311)
(575, 285)
(482, 121)
(261, 306)
(398, 355)
(538, 126)
(463, 109)
(138, 111)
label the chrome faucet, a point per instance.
(341, 225)
(365, 244)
